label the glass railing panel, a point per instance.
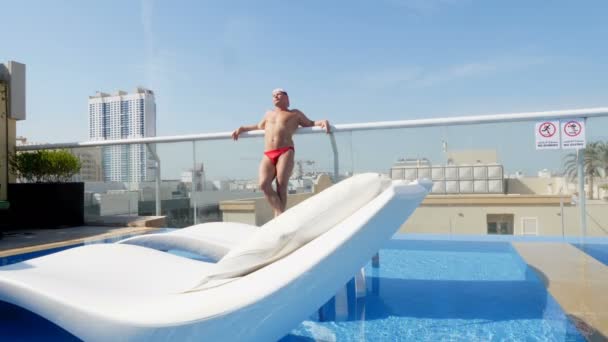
(229, 171)
(499, 169)
(378, 150)
(174, 193)
(596, 167)
(409, 153)
(539, 196)
(112, 176)
(225, 170)
(121, 182)
(323, 154)
(488, 178)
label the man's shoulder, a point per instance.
(296, 111)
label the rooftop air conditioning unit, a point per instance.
(466, 186)
(451, 187)
(410, 173)
(465, 172)
(438, 187)
(451, 172)
(397, 173)
(480, 172)
(437, 172)
(480, 186)
(495, 172)
(424, 172)
(496, 186)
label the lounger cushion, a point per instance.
(299, 225)
(209, 240)
(97, 274)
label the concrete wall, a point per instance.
(457, 219)
(530, 185)
(462, 214)
(473, 219)
(540, 186)
(240, 216)
(552, 186)
(7, 141)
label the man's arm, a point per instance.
(306, 122)
(260, 125)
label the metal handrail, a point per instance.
(445, 121)
(433, 122)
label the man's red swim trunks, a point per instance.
(274, 155)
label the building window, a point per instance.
(501, 224)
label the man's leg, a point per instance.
(267, 174)
(284, 169)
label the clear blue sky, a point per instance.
(212, 64)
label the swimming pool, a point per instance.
(448, 290)
(423, 290)
(596, 250)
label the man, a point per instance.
(277, 164)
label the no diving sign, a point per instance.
(567, 134)
(547, 135)
(573, 133)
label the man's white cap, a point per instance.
(279, 90)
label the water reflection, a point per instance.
(438, 293)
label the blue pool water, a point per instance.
(596, 250)
(447, 291)
(440, 290)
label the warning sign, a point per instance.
(547, 135)
(573, 133)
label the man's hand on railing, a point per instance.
(324, 124)
(236, 132)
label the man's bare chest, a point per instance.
(283, 119)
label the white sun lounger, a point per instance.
(260, 290)
(210, 240)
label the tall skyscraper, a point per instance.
(122, 116)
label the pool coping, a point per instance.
(115, 232)
(576, 280)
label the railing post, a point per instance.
(157, 190)
(582, 200)
(192, 194)
(334, 148)
(561, 212)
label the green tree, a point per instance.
(45, 166)
(595, 163)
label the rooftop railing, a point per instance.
(414, 123)
(373, 146)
